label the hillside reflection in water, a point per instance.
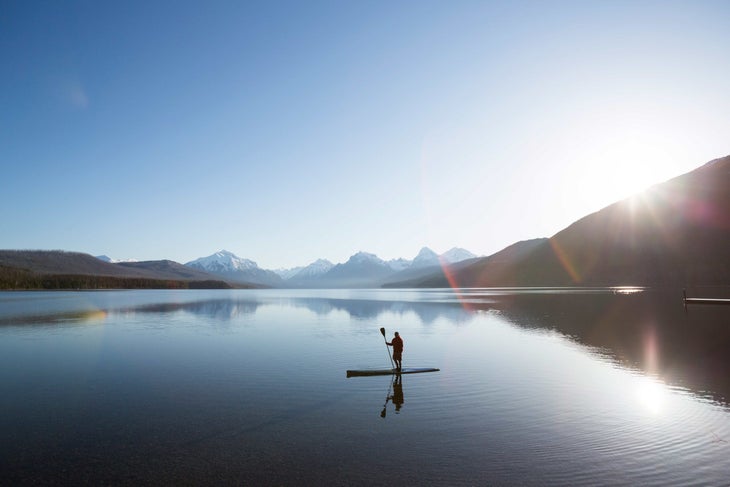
(642, 329)
(537, 386)
(647, 330)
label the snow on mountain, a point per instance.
(428, 258)
(236, 269)
(361, 270)
(313, 270)
(106, 258)
(399, 264)
(456, 255)
(223, 261)
(288, 273)
(425, 258)
(365, 258)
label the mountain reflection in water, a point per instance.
(537, 387)
(647, 330)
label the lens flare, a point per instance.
(565, 261)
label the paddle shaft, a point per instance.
(387, 397)
(382, 332)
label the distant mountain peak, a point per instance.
(426, 257)
(399, 264)
(227, 254)
(456, 254)
(315, 269)
(361, 257)
(321, 263)
(223, 261)
(228, 265)
(425, 251)
(287, 273)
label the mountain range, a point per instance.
(673, 234)
(363, 269)
(223, 269)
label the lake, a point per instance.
(537, 387)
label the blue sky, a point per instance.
(291, 131)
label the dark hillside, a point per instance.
(495, 265)
(675, 233)
(60, 262)
(166, 269)
(30, 269)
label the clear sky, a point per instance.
(290, 131)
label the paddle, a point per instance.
(387, 397)
(382, 332)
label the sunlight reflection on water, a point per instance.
(536, 387)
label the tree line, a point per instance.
(12, 278)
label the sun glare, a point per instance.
(651, 395)
(617, 151)
(631, 169)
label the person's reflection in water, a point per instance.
(398, 392)
(397, 397)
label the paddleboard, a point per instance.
(404, 370)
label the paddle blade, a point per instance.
(382, 331)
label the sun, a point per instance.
(630, 168)
(651, 395)
(615, 150)
(615, 168)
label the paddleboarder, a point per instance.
(397, 344)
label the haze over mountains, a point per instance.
(674, 234)
(59, 269)
(363, 269)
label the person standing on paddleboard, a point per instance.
(397, 344)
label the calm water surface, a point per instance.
(537, 387)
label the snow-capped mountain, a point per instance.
(288, 273)
(399, 264)
(427, 263)
(229, 265)
(457, 254)
(223, 261)
(425, 258)
(365, 258)
(362, 269)
(361, 264)
(313, 270)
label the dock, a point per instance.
(704, 300)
